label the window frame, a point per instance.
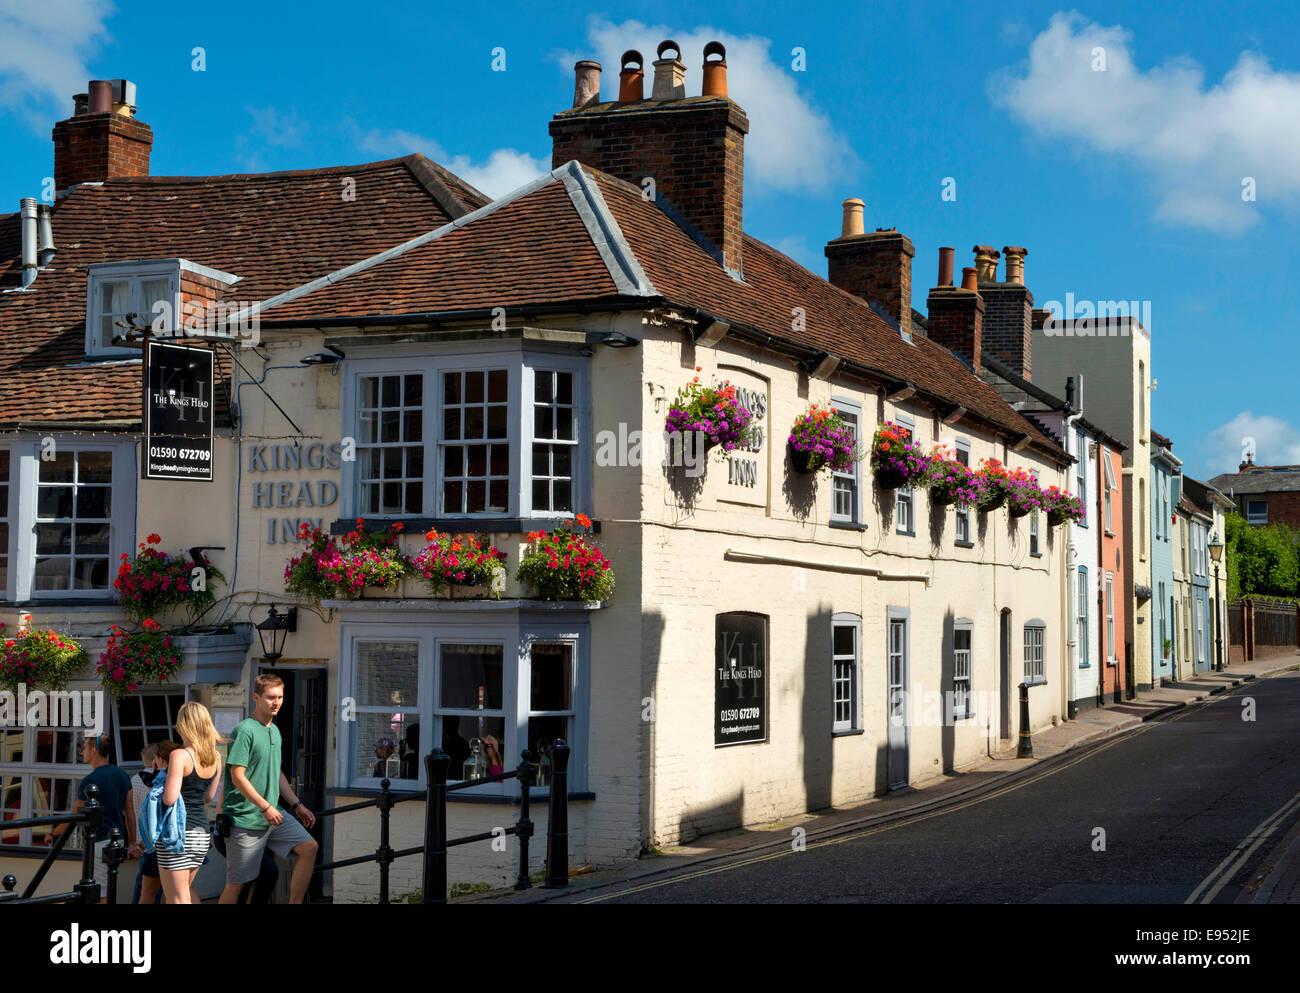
(1108, 498)
(516, 632)
(521, 360)
(962, 515)
(905, 494)
(136, 273)
(967, 626)
(1035, 660)
(1109, 602)
(853, 478)
(854, 723)
(1083, 596)
(1081, 473)
(1034, 535)
(1253, 517)
(24, 471)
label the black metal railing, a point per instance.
(90, 817)
(435, 846)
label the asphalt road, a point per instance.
(1178, 801)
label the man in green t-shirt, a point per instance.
(255, 784)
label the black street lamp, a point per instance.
(1216, 552)
(274, 631)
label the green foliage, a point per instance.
(1261, 561)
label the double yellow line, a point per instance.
(1249, 845)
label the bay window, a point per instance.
(67, 511)
(499, 431)
(480, 687)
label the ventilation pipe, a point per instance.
(27, 207)
(45, 235)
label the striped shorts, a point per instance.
(197, 842)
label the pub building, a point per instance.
(776, 641)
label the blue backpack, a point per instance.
(161, 828)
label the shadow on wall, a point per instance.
(947, 670)
(817, 718)
(800, 490)
(938, 515)
(652, 639)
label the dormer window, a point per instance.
(115, 289)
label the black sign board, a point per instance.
(177, 412)
(740, 679)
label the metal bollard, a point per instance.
(435, 827)
(384, 853)
(1026, 748)
(87, 889)
(557, 822)
(524, 828)
(114, 855)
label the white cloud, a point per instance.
(278, 128)
(43, 51)
(1196, 143)
(1273, 441)
(791, 146)
(504, 170)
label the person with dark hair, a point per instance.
(114, 787)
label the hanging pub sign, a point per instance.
(177, 412)
(740, 679)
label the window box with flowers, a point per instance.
(42, 658)
(820, 439)
(713, 411)
(566, 565)
(895, 460)
(459, 565)
(1062, 507)
(359, 561)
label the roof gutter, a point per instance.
(586, 306)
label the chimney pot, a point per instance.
(670, 74)
(101, 96)
(1015, 263)
(986, 263)
(715, 73)
(969, 279)
(631, 79)
(852, 223)
(946, 256)
(586, 83)
(79, 103)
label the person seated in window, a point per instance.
(384, 749)
(454, 745)
(493, 751)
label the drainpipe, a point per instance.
(1071, 603)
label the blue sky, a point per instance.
(1125, 182)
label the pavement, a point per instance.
(1051, 746)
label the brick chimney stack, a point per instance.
(1009, 314)
(103, 139)
(875, 266)
(691, 147)
(956, 314)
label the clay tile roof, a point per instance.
(535, 248)
(274, 230)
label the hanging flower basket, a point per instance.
(40, 658)
(949, 481)
(819, 439)
(566, 565)
(154, 582)
(1023, 494)
(131, 659)
(895, 460)
(1062, 507)
(990, 485)
(459, 565)
(712, 410)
